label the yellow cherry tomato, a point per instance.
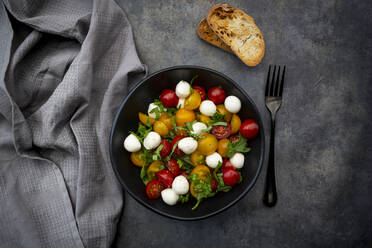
(153, 168)
(193, 101)
(167, 120)
(161, 128)
(222, 147)
(144, 118)
(193, 190)
(201, 171)
(197, 158)
(221, 108)
(207, 145)
(235, 123)
(183, 116)
(136, 158)
(203, 118)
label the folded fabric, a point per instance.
(65, 66)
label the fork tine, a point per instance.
(276, 87)
(282, 83)
(268, 82)
(271, 93)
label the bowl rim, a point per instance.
(262, 148)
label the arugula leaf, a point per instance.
(157, 155)
(220, 123)
(186, 163)
(238, 146)
(142, 131)
(184, 198)
(193, 79)
(217, 117)
(143, 175)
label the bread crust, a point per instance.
(207, 34)
(239, 31)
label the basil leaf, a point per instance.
(238, 146)
(220, 123)
(157, 155)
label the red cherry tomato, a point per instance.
(166, 148)
(169, 98)
(249, 129)
(154, 188)
(230, 177)
(184, 173)
(173, 167)
(200, 90)
(165, 177)
(217, 95)
(221, 132)
(227, 165)
(177, 151)
(214, 184)
(234, 138)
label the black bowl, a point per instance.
(127, 119)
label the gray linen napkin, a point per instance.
(64, 68)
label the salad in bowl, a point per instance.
(191, 144)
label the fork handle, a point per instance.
(270, 196)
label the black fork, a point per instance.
(273, 100)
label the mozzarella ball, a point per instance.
(198, 127)
(183, 89)
(169, 196)
(181, 102)
(152, 140)
(132, 144)
(207, 108)
(213, 160)
(188, 145)
(233, 104)
(151, 107)
(237, 160)
(180, 185)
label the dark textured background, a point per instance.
(324, 132)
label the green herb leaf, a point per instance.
(184, 198)
(157, 155)
(238, 146)
(143, 175)
(193, 79)
(220, 123)
(142, 131)
(146, 156)
(157, 113)
(186, 163)
(217, 117)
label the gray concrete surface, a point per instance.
(324, 127)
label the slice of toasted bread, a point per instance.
(207, 34)
(238, 31)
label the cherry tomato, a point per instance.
(227, 165)
(136, 158)
(221, 132)
(217, 95)
(183, 116)
(167, 120)
(161, 128)
(173, 167)
(166, 148)
(234, 138)
(222, 109)
(177, 151)
(193, 101)
(230, 177)
(165, 177)
(154, 188)
(197, 158)
(222, 147)
(207, 145)
(201, 171)
(203, 118)
(249, 129)
(169, 98)
(153, 168)
(145, 119)
(214, 184)
(200, 90)
(235, 123)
